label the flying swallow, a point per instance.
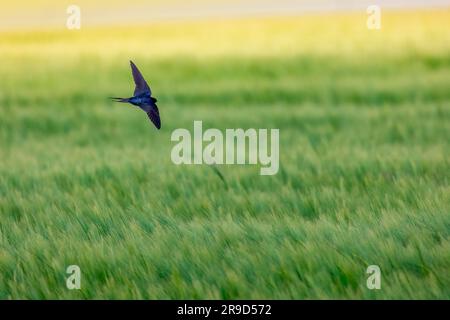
(142, 97)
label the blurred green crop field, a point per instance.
(364, 119)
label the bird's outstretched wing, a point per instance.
(153, 115)
(141, 84)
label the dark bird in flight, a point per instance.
(142, 97)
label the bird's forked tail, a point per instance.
(120, 99)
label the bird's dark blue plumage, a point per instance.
(143, 97)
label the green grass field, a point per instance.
(364, 119)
